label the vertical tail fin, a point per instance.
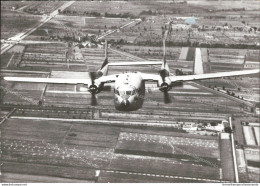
(198, 64)
(104, 67)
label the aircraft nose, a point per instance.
(125, 102)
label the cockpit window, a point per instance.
(123, 93)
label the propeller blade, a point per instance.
(164, 52)
(167, 97)
(92, 76)
(93, 99)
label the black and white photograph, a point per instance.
(137, 91)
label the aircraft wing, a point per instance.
(48, 80)
(212, 75)
(150, 77)
(108, 78)
(154, 77)
(102, 79)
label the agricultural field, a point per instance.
(152, 53)
(252, 157)
(241, 163)
(132, 8)
(13, 57)
(62, 26)
(13, 23)
(226, 160)
(250, 135)
(166, 146)
(61, 151)
(41, 8)
(257, 135)
(254, 5)
(5, 58)
(229, 60)
(8, 5)
(40, 55)
(162, 166)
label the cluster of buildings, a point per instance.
(201, 23)
(219, 127)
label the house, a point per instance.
(190, 126)
(181, 26)
(219, 127)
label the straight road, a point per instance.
(234, 152)
(112, 31)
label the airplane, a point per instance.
(129, 87)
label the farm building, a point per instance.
(219, 127)
(181, 26)
(190, 126)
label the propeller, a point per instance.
(93, 88)
(167, 98)
(164, 73)
(165, 88)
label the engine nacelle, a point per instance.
(164, 85)
(96, 87)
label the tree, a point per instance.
(228, 129)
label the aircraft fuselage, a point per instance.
(129, 91)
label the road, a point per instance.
(17, 38)
(234, 152)
(112, 31)
(7, 116)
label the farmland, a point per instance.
(74, 25)
(248, 133)
(133, 8)
(252, 157)
(67, 145)
(13, 23)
